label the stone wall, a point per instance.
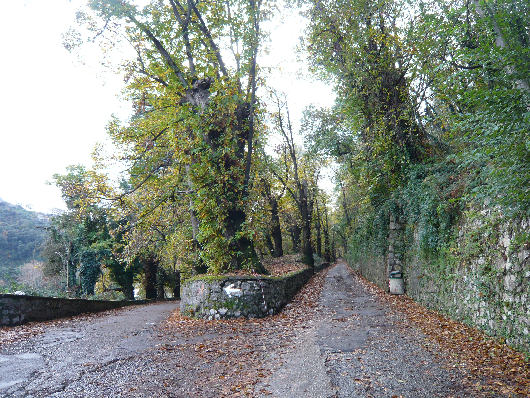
(487, 286)
(215, 297)
(16, 310)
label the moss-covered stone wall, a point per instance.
(482, 279)
(216, 297)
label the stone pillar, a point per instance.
(394, 244)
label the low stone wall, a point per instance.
(16, 310)
(216, 297)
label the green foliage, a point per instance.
(477, 56)
(456, 137)
(86, 238)
(188, 148)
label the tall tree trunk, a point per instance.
(160, 281)
(270, 245)
(128, 291)
(150, 267)
(176, 286)
(242, 246)
(295, 232)
(344, 205)
(318, 227)
(276, 229)
(327, 243)
(307, 248)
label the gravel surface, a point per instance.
(357, 347)
(335, 339)
(78, 357)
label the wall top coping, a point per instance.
(78, 300)
(212, 278)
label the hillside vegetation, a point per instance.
(22, 233)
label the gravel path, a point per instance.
(335, 339)
(356, 347)
(61, 361)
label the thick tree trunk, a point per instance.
(160, 280)
(243, 247)
(276, 229)
(295, 232)
(270, 245)
(150, 267)
(176, 286)
(128, 291)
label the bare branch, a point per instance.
(161, 49)
(204, 29)
(184, 24)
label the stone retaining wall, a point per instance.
(488, 289)
(15, 309)
(215, 297)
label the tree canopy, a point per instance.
(431, 118)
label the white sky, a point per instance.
(54, 109)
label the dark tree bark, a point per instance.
(295, 232)
(270, 245)
(327, 244)
(318, 227)
(160, 282)
(176, 286)
(276, 229)
(150, 267)
(128, 291)
(307, 248)
(344, 204)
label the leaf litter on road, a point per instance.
(491, 367)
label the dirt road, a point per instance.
(60, 361)
(339, 337)
(356, 347)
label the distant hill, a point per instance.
(21, 236)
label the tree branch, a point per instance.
(184, 23)
(161, 49)
(252, 84)
(204, 29)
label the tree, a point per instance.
(302, 192)
(475, 54)
(85, 238)
(268, 188)
(359, 44)
(196, 119)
